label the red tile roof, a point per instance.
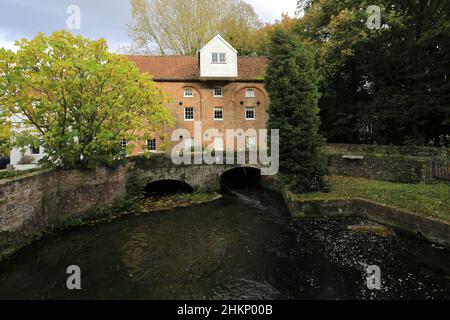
(252, 68)
(185, 68)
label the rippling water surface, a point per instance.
(243, 246)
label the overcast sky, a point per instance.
(99, 18)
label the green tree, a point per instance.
(78, 99)
(292, 83)
(387, 86)
(5, 136)
(262, 36)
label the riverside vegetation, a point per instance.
(428, 200)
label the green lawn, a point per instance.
(431, 200)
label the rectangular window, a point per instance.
(250, 143)
(219, 57)
(250, 113)
(189, 114)
(124, 143)
(218, 144)
(218, 113)
(249, 93)
(35, 150)
(215, 58)
(151, 145)
(188, 144)
(218, 92)
(188, 93)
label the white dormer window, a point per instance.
(218, 92)
(219, 57)
(218, 60)
(188, 93)
(249, 93)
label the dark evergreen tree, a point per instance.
(386, 86)
(292, 83)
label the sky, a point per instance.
(99, 18)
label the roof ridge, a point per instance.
(178, 55)
(179, 67)
(158, 56)
(253, 57)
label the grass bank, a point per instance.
(430, 200)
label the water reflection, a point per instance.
(243, 246)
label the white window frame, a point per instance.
(218, 58)
(250, 93)
(214, 57)
(150, 144)
(215, 95)
(124, 143)
(246, 113)
(189, 144)
(190, 90)
(214, 113)
(185, 113)
(252, 146)
(219, 144)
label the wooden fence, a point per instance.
(441, 170)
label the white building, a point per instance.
(218, 60)
(28, 157)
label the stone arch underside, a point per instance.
(199, 177)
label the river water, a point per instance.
(243, 246)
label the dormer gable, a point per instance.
(218, 60)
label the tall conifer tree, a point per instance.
(292, 83)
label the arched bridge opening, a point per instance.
(167, 187)
(243, 177)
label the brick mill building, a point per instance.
(217, 87)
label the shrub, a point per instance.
(25, 159)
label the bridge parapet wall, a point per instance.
(143, 171)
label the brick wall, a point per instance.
(390, 168)
(233, 102)
(409, 164)
(29, 205)
(337, 148)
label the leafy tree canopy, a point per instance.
(5, 135)
(263, 35)
(77, 99)
(388, 85)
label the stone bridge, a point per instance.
(203, 177)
